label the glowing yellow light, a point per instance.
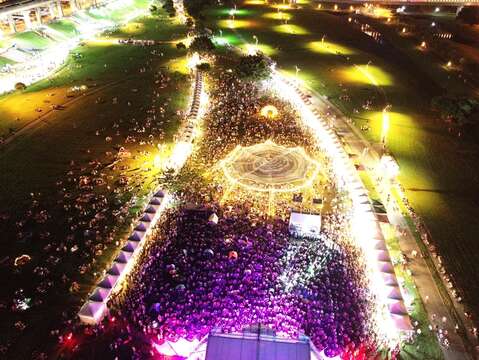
(389, 166)
(350, 19)
(133, 28)
(351, 7)
(385, 126)
(366, 74)
(291, 29)
(252, 49)
(235, 24)
(194, 60)
(281, 6)
(269, 111)
(326, 47)
(179, 64)
(380, 12)
(319, 6)
(403, 30)
(254, 2)
(335, 6)
(389, 19)
(278, 16)
(449, 64)
(423, 45)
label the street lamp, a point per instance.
(256, 39)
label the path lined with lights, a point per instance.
(95, 308)
(423, 278)
(365, 226)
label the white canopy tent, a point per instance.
(303, 224)
(92, 312)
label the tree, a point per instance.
(180, 46)
(469, 15)
(194, 7)
(20, 86)
(202, 44)
(203, 66)
(254, 67)
(456, 111)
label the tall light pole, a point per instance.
(385, 125)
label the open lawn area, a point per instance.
(87, 153)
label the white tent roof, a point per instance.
(117, 268)
(108, 281)
(305, 224)
(92, 312)
(250, 346)
(100, 294)
(123, 256)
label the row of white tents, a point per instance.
(366, 225)
(96, 307)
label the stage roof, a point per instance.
(250, 346)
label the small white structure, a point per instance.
(92, 312)
(302, 224)
(213, 218)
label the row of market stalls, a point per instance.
(365, 224)
(95, 308)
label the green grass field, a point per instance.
(34, 162)
(339, 61)
(65, 27)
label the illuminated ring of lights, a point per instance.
(269, 111)
(270, 167)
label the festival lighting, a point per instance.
(389, 167)
(269, 111)
(291, 29)
(280, 15)
(236, 24)
(367, 74)
(385, 125)
(364, 226)
(327, 47)
(251, 167)
(193, 61)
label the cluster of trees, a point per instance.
(202, 44)
(194, 7)
(460, 113)
(169, 7)
(254, 67)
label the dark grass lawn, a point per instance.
(35, 161)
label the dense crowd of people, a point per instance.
(199, 274)
(246, 270)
